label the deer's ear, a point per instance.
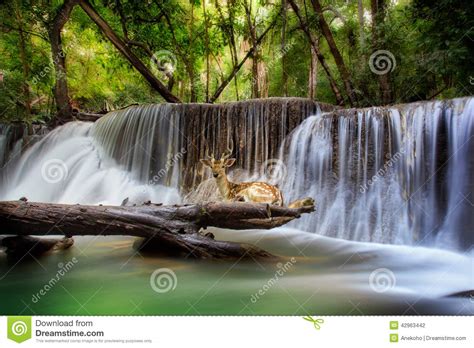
(230, 162)
(206, 162)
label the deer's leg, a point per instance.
(239, 198)
(308, 201)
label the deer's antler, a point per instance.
(227, 153)
(206, 146)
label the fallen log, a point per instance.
(86, 116)
(172, 230)
(18, 247)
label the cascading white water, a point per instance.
(400, 175)
(142, 140)
(72, 165)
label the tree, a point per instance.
(218, 51)
(207, 49)
(252, 29)
(126, 52)
(379, 8)
(173, 230)
(23, 56)
(61, 94)
(314, 44)
(360, 17)
(284, 74)
(227, 24)
(343, 71)
(237, 67)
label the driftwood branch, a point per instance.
(86, 116)
(168, 229)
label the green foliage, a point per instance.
(432, 44)
(446, 43)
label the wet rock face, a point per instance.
(256, 128)
(16, 137)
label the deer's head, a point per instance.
(218, 166)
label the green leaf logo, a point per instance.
(19, 328)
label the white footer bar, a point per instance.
(239, 332)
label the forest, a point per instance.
(237, 157)
(95, 56)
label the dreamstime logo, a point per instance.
(274, 170)
(382, 62)
(54, 171)
(165, 61)
(382, 280)
(163, 280)
(19, 328)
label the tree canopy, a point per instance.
(100, 55)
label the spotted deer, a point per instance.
(257, 192)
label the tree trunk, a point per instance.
(378, 8)
(127, 53)
(61, 94)
(313, 74)
(228, 24)
(85, 116)
(284, 75)
(360, 15)
(19, 247)
(143, 46)
(24, 60)
(315, 46)
(185, 57)
(230, 8)
(343, 71)
(190, 61)
(172, 230)
(255, 56)
(206, 41)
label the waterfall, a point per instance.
(147, 152)
(401, 175)
(70, 165)
(163, 143)
(398, 175)
(144, 141)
